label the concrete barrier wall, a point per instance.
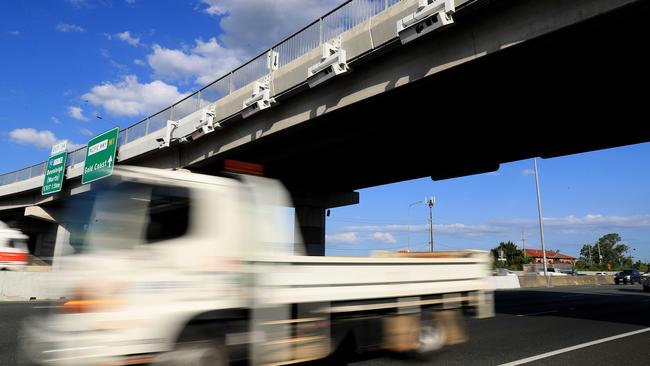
(504, 282)
(540, 281)
(26, 285)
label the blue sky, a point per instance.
(66, 61)
(584, 196)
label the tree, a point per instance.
(642, 267)
(514, 258)
(607, 250)
(582, 264)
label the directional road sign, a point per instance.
(100, 156)
(55, 169)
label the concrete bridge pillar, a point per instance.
(61, 233)
(310, 222)
(311, 206)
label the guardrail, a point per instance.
(343, 18)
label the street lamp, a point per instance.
(429, 202)
(100, 117)
(541, 224)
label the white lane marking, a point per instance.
(573, 348)
(540, 313)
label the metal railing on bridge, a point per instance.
(343, 18)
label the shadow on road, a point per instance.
(602, 303)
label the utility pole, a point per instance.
(430, 202)
(541, 224)
(590, 262)
(523, 241)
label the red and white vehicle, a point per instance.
(13, 248)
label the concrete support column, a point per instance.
(55, 243)
(61, 246)
(310, 222)
(311, 205)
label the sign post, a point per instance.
(100, 156)
(55, 169)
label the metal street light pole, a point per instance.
(430, 202)
(541, 224)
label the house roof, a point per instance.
(537, 253)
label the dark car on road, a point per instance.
(628, 276)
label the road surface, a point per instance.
(582, 325)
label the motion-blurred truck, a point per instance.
(13, 248)
(178, 268)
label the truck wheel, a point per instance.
(431, 339)
(197, 346)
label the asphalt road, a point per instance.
(534, 322)
(563, 321)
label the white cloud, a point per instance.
(568, 224)
(599, 221)
(528, 172)
(386, 237)
(14, 33)
(128, 38)
(342, 238)
(87, 132)
(87, 3)
(104, 52)
(131, 98)
(493, 173)
(55, 120)
(65, 28)
(40, 139)
(253, 25)
(120, 67)
(139, 62)
(77, 3)
(77, 113)
(30, 136)
(452, 229)
(204, 63)
(249, 27)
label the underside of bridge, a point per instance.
(579, 89)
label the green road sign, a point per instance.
(100, 156)
(54, 171)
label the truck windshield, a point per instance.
(129, 214)
(18, 244)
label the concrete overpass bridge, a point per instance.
(506, 80)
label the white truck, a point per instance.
(178, 268)
(14, 254)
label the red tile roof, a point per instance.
(537, 253)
